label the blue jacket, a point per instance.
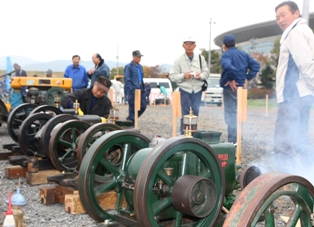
(148, 90)
(237, 65)
(131, 78)
(21, 72)
(78, 76)
(102, 70)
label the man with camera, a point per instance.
(189, 72)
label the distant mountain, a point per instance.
(22, 61)
(59, 65)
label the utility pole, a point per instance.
(210, 42)
(306, 10)
(117, 60)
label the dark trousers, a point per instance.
(189, 100)
(292, 127)
(131, 105)
(230, 109)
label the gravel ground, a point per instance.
(257, 149)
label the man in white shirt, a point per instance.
(294, 85)
(117, 86)
(189, 72)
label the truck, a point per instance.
(213, 94)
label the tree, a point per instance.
(153, 71)
(274, 53)
(267, 76)
(113, 72)
(214, 60)
(146, 71)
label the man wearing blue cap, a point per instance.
(133, 77)
(238, 68)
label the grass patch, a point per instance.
(272, 103)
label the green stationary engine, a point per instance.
(181, 181)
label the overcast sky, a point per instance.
(53, 30)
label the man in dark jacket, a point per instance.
(101, 69)
(20, 72)
(148, 90)
(238, 68)
(92, 100)
(133, 77)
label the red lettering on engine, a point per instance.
(224, 159)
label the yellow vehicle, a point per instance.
(38, 91)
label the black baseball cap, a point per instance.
(137, 53)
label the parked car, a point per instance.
(156, 91)
(213, 94)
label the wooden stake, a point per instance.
(244, 104)
(266, 105)
(239, 123)
(175, 111)
(111, 96)
(137, 106)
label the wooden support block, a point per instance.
(17, 159)
(40, 177)
(61, 191)
(60, 177)
(8, 146)
(13, 172)
(47, 194)
(73, 204)
(54, 194)
(107, 200)
(17, 149)
(4, 155)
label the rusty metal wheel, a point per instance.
(263, 197)
(100, 178)
(63, 144)
(27, 135)
(16, 118)
(47, 129)
(91, 135)
(193, 193)
(52, 110)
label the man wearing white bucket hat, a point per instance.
(189, 72)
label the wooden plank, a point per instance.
(17, 159)
(13, 172)
(239, 125)
(4, 155)
(61, 192)
(8, 146)
(73, 204)
(17, 149)
(60, 177)
(47, 194)
(107, 200)
(40, 177)
(54, 194)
